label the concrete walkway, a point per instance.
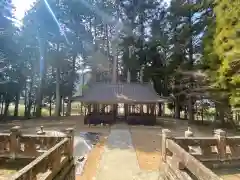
(119, 160)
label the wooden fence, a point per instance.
(50, 154)
(192, 157)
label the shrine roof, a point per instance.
(100, 92)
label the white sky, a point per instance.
(21, 7)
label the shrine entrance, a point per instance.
(121, 113)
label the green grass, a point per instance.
(21, 109)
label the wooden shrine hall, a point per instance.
(108, 103)
(109, 100)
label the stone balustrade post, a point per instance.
(189, 132)
(221, 138)
(70, 135)
(14, 141)
(41, 131)
(166, 134)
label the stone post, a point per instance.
(41, 131)
(14, 141)
(188, 133)
(221, 138)
(166, 134)
(70, 135)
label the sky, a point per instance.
(21, 7)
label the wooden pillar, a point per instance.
(114, 106)
(152, 109)
(141, 109)
(126, 110)
(148, 109)
(89, 108)
(97, 107)
(133, 108)
(94, 107)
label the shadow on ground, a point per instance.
(145, 140)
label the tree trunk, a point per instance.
(40, 90)
(68, 112)
(29, 108)
(81, 108)
(177, 109)
(196, 107)
(229, 114)
(58, 95)
(220, 113)
(7, 103)
(107, 42)
(69, 107)
(50, 107)
(2, 103)
(63, 106)
(39, 99)
(191, 61)
(185, 113)
(95, 34)
(16, 104)
(25, 103)
(190, 110)
(30, 101)
(34, 108)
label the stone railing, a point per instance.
(50, 154)
(189, 156)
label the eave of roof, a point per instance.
(120, 93)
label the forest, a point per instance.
(190, 50)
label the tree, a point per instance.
(227, 48)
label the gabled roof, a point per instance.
(120, 93)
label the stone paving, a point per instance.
(119, 160)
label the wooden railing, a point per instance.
(190, 156)
(50, 153)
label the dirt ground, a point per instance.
(92, 163)
(9, 167)
(229, 174)
(147, 140)
(147, 144)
